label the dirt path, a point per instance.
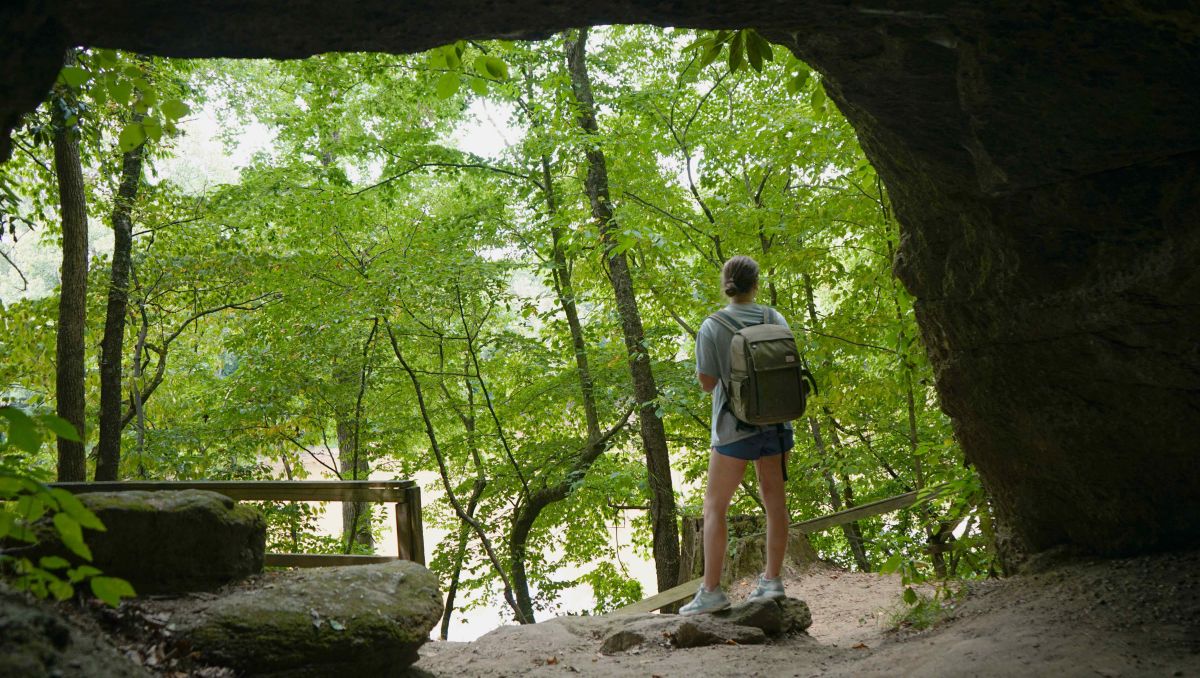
(1130, 617)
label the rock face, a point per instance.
(1042, 159)
(37, 641)
(746, 554)
(172, 542)
(366, 620)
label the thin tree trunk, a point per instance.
(108, 451)
(72, 304)
(658, 463)
(851, 530)
(356, 515)
(447, 484)
(477, 488)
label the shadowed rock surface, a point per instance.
(36, 641)
(366, 620)
(172, 542)
(1043, 162)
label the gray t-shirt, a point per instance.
(712, 358)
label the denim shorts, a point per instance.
(768, 443)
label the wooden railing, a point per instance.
(688, 589)
(403, 493)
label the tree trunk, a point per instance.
(72, 304)
(658, 463)
(851, 530)
(108, 451)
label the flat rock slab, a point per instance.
(680, 632)
(176, 541)
(366, 620)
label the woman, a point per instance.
(734, 443)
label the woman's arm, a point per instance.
(708, 383)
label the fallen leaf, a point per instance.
(860, 646)
(552, 661)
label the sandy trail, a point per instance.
(1131, 617)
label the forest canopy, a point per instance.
(513, 319)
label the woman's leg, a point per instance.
(724, 476)
(771, 488)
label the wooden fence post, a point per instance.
(410, 537)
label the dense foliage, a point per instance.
(367, 293)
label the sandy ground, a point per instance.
(1132, 617)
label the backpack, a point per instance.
(768, 382)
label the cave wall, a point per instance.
(1043, 159)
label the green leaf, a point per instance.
(53, 562)
(711, 54)
(891, 564)
(72, 535)
(479, 86)
(82, 572)
(818, 97)
(174, 109)
(447, 85)
(495, 67)
(59, 426)
(152, 128)
(452, 56)
(120, 91)
(753, 50)
(30, 508)
(111, 590)
(68, 503)
(131, 137)
(60, 589)
(75, 76)
(735, 52)
(106, 57)
(21, 430)
(910, 596)
(7, 521)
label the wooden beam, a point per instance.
(686, 590)
(663, 599)
(266, 490)
(867, 510)
(321, 559)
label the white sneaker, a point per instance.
(767, 588)
(705, 601)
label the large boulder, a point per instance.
(172, 542)
(746, 554)
(671, 630)
(357, 620)
(37, 640)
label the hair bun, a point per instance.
(731, 289)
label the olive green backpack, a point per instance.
(768, 382)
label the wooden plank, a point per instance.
(267, 490)
(321, 559)
(410, 529)
(867, 510)
(686, 590)
(663, 599)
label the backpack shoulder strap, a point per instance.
(766, 315)
(728, 321)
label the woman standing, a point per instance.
(734, 443)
